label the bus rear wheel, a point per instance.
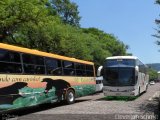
(70, 97)
(146, 88)
(139, 92)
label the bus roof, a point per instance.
(122, 57)
(40, 53)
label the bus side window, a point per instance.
(68, 68)
(33, 64)
(39, 69)
(53, 66)
(80, 69)
(29, 69)
(89, 70)
(10, 62)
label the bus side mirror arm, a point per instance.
(99, 71)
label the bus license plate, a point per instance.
(118, 94)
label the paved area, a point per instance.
(97, 107)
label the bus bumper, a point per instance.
(107, 93)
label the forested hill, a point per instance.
(54, 26)
(155, 66)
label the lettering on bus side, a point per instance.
(78, 79)
(20, 79)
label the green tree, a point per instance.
(108, 42)
(157, 21)
(158, 1)
(34, 24)
(67, 10)
(152, 74)
(44, 36)
(29, 24)
(17, 13)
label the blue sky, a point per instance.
(131, 21)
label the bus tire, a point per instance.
(139, 91)
(146, 88)
(70, 97)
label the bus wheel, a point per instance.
(70, 97)
(139, 92)
(146, 88)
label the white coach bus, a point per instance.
(124, 76)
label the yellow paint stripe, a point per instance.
(40, 53)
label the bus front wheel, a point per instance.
(70, 97)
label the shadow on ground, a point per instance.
(120, 98)
(117, 98)
(34, 109)
(151, 107)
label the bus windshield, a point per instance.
(119, 76)
(120, 62)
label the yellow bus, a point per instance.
(30, 77)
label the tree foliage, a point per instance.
(153, 75)
(157, 21)
(67, 10)
(35, 24)
(16, 14)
